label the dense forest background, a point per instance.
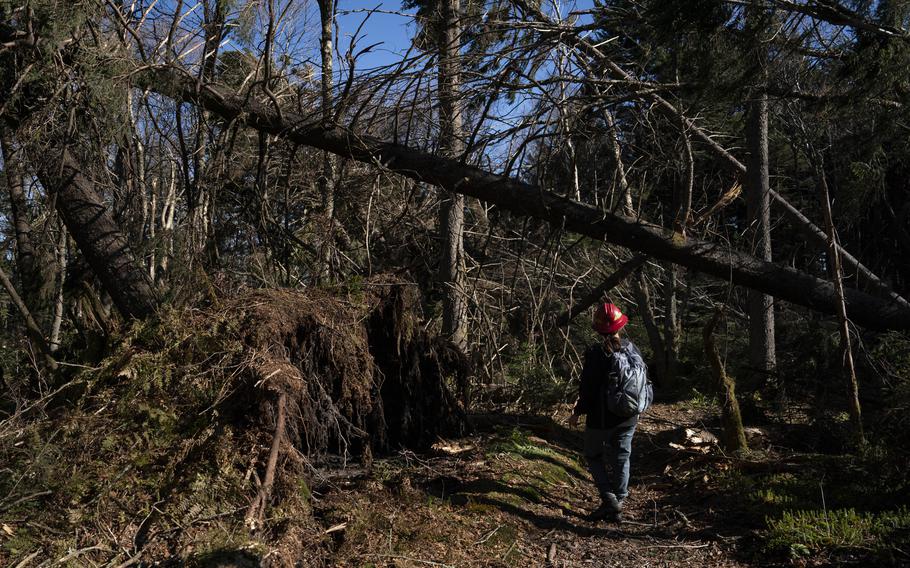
(238, 262)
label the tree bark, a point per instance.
(734, 435)
(97, 235)
(671, 326)
(762, 355)
(33, 277)
(59, 302)
(326, 182)
(642, 294)
(33, 330)
(522, 198)
(451, 208)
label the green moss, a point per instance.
(554, 466)
(505, 535)
(303, 489)
(20, 543)
(803, 531)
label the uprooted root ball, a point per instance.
(206, 417)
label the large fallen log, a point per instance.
(796, 218)
(719, 260)
(89, 221)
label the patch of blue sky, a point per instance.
(383, 33)
(392, 28)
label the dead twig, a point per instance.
(256, 511)
(73, 554)
(29, 497)
(410, 559)
(24, 562)
(488, 535)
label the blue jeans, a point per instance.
(610, 450)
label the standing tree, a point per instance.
(762, 355)
(442, 30)
(327, 179)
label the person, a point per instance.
(607, 437)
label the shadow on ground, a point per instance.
(666, 504)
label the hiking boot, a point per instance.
(610, 500)
(603, 513)
(609, 509)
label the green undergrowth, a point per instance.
(131, 451)
(440, 508)
(537, 470)
(830, 506)
(806, 532)
(536, 385)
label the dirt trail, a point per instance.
(516, 493)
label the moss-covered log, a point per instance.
(734, 436)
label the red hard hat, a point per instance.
(608, 319)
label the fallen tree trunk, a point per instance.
(96, 233)
(795, 216)
(527, 199)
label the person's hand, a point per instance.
(573, 420)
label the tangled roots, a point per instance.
(356, 377)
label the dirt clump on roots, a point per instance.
(358, 376)
(200, 437)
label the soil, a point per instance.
(516, 494)
(267, 430)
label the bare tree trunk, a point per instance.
(199, 198)
(671, 326)
(682, 197)
(34, 331)
(849, 370)
(734, 435)
(168, 210)
(99, 238)
(61, 277)
(625, 197)
(643, 297)
(153, 232)
(36, 287)
(762, 355)
(451, 211)
(326, 181)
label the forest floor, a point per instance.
(513, 493)
(516, 494)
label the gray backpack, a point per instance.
(629, 391)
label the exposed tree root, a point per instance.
(348, 377)
(257, 509)
(245, 402)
